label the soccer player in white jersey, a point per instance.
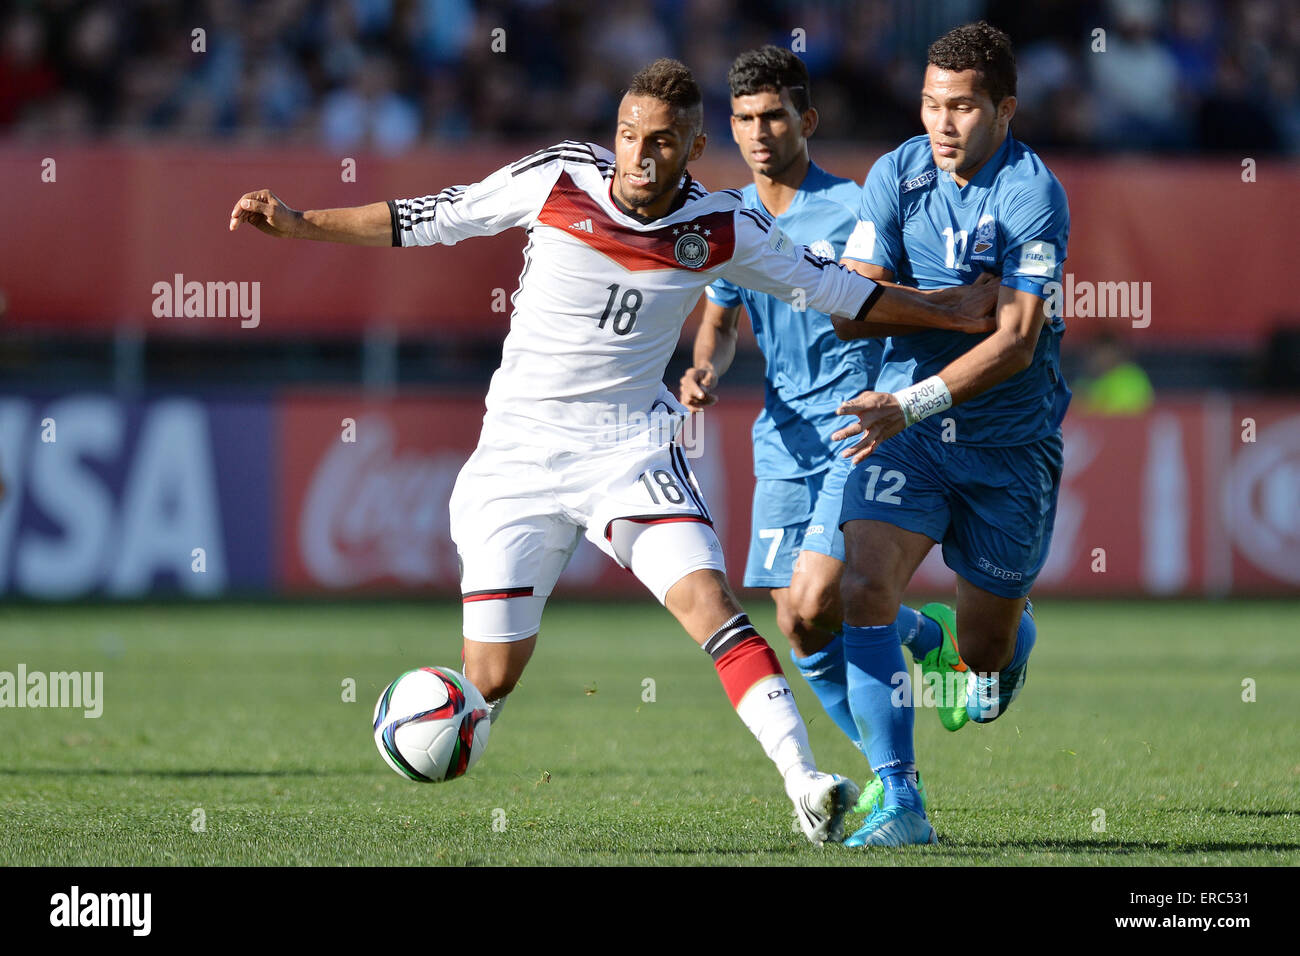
(620, 246)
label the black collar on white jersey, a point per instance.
(683, 194)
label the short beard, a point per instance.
(640, 202)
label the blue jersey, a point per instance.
(809, 370)
(1012, 219)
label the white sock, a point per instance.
(769, 711)
(751, 676)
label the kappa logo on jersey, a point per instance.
(918, 181)
(985, 233)
(584, 226)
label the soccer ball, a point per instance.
(431, 724)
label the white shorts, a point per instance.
(518, 513)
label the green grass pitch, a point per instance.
(1133, 717)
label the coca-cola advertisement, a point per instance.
(363, 497)
(363, 504)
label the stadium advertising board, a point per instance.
(307, 493)
(1182, 500)
(157, 496)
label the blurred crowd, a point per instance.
(1170, 76)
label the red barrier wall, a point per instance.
(86, 250)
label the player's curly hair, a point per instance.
(771, 68)
(981, 47)
(669, 81)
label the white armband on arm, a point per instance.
(923, 399)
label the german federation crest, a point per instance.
(692, 250)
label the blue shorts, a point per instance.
(792, 515)
(992, 508)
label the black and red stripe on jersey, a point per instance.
(636, 250)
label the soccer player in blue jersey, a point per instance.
(796, 547)
(959, 443)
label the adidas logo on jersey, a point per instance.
(584, 226)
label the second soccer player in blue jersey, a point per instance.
(796, 548)
(958, 445)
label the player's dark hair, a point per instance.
(669, 81)
(983, 48)
(771, 68)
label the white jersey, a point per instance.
(603, 296)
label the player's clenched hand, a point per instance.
(697, 388)
(980, 301)
(977, 301)
(263, 209)
(879, 417)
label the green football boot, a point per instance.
(945, 671)
(873, 795)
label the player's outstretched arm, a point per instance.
(369, 225)
(715, 348)
(1009, 350)
(767, 260)
(882, 276)
(899, 310)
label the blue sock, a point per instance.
(918, 633)
(900, 787)
(877, 677)
(824, 672)
(1026, 635)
